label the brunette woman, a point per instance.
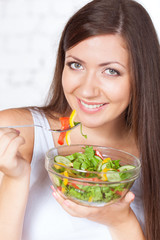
(108, 69)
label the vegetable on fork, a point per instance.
(67, 122)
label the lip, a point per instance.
(91, 110)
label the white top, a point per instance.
(45, 219)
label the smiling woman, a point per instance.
(108, 71)
(100, 91)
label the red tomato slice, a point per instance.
(73, 184)
(85, 179)
(59, 188)
(97, 153)
(119, 192)
(95, 179)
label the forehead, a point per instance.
(102, 47)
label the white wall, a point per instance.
(29, 34)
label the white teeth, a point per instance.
(91, 106)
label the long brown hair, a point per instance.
(132, 22)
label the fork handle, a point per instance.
(43, 127)
(21, 126)
(18, 126)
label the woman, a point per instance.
(108, 69)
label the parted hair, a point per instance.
(131, 21)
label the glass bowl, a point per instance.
(88, 187)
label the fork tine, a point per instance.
(64, 130)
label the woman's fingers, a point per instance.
(14, 145)
(6, 136)
(10, 159)
(129, 197)
(110, 214)
(72, 208)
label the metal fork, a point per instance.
(43, 127)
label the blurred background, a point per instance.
(29, 34)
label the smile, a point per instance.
(91, 106)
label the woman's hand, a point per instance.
(12, 164)
(111, 215)
(119, 217)
(14, 187)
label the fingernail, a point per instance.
(129, 197)
(55, 195)
(58, 191)
(53, 189)
(67, 203)
(17, 131)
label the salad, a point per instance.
(83, 176)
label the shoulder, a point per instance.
(20, 116)
(14, 116)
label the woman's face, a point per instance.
(96, 79)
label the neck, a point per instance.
(109, 134)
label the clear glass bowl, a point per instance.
(90, 188)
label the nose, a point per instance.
(90, 85)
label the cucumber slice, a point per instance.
(56, 180)
(126, 168)
(104, 165)
(100, 159)
(113, 176)
(64, 160)
(99, 167)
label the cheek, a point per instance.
(118, 93)
(122, 95)
(68, 83)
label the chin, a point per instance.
(90, 124)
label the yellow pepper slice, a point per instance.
(65, 180)
(66, 174)
(106, 169)
(106, 160)
(90, 199)
(67, 137)
(104, 177)
(59, 167)
(71, 123)
(72, 117)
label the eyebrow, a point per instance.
(101, 64)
